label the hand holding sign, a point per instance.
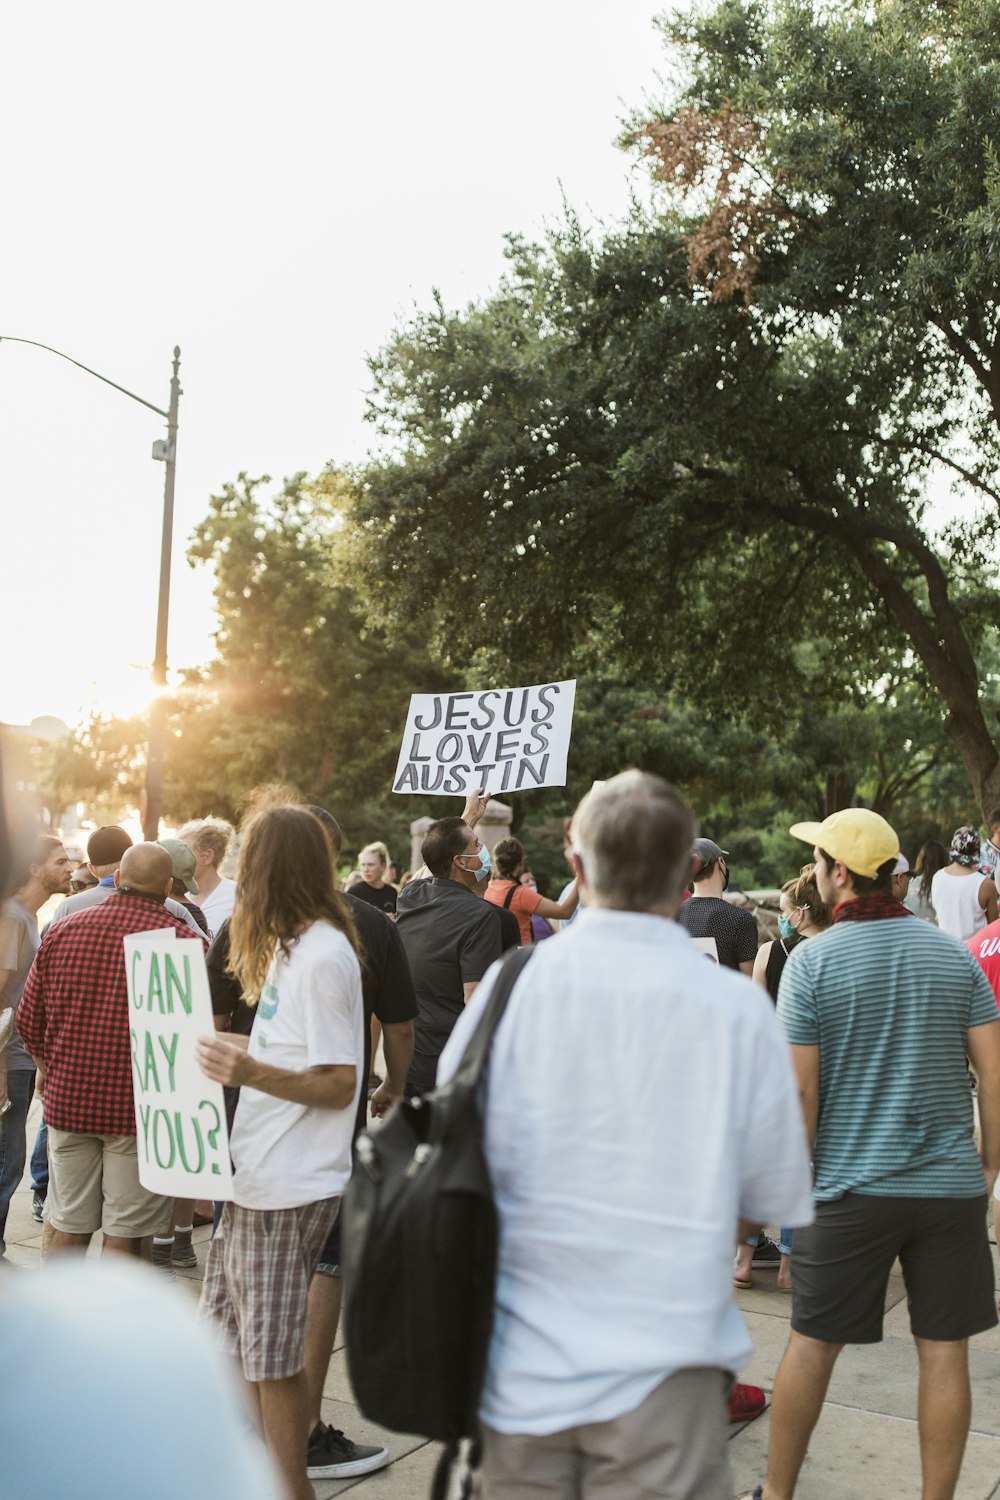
(224, 1059)
(500, 740)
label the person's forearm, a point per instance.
(397, 1048)
(989, 1123)
(809, 1099)
(317, 1088)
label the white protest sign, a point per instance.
(180, 1114)
(504, 739)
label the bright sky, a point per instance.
(272, 188)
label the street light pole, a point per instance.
(158, 709)
(166, 452)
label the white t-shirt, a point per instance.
(639, 1102)
(310, 1015)
(219, 904)
(956, 903)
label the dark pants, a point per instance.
(40, 1161)
(13, 1140)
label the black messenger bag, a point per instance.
(420, 1247)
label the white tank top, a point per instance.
(956, 902)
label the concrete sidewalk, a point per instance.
(865, 1447)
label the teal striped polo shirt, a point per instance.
(889, 1004)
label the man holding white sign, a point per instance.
(503, 740)
(74, 1020)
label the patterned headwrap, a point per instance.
(964, 847)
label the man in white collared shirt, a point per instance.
(640, 1103)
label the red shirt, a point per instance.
(985, 949)
(74, 1013)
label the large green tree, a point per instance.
(304, 689)
(707, 437)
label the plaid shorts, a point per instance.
(257, 1283)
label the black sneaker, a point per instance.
(331, 1455)
(766, 1253)
(37, 1204)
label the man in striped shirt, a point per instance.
(880, 1012)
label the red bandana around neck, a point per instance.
(873, 908)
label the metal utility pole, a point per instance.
(166, 452)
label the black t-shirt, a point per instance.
(386, 985)
(451, 937)
(383, 900)
(734, 929)
(195, 911)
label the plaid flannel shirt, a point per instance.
(73, 1014)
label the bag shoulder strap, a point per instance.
(514, 886)
(471, 1068)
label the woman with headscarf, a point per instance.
(963, 900)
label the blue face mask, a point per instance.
(785, 927)
(485, 863)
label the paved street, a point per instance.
(864, 1449)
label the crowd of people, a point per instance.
(667, 1083)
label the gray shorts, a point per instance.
(841, 1265)
(674, 1444)
(256, 1283)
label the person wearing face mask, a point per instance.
(709, 915)
(802, 913)
(451, 937)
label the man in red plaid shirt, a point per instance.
(73, 1019)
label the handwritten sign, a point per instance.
(180, 1114)
(504, 739)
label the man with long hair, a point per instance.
(293, 948)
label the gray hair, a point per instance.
(634, 837)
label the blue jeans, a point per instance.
(40, 1161)
(13, 1140)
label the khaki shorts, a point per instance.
(94, 1184)
(671, 1447)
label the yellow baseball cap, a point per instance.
(859, 838)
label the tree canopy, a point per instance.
(707, 436)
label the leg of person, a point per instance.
(842, 1265)
(744, 1258)
(325, 1298)
(331, 1454)
(182, 1253)
(284, 1413)
(948, 1271)
(673, 1446)
(521, 1467)
(259, 1269)
(40, 1170)
(74, 1200)
(14, 1140)
(785, 1265)
(799, 1391)
(130, 1213)
(944, 1411)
